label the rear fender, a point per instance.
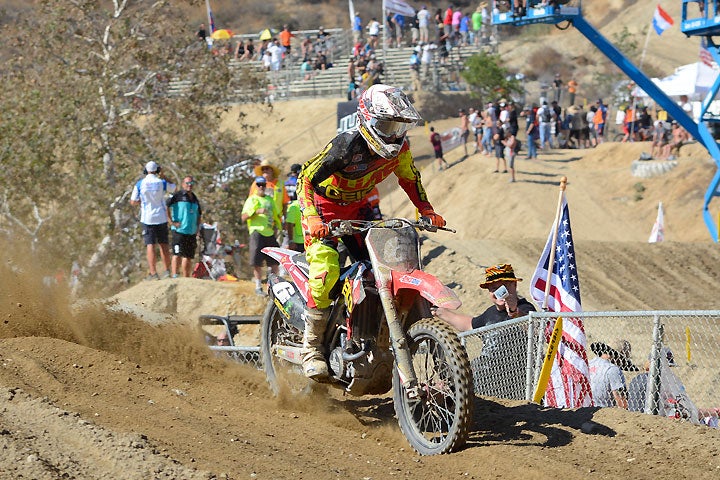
(428, 286)
(284, 256)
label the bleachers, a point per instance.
(289, 82)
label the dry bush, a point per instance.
(545, 62)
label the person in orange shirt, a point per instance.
(286, 39)
(572, 90)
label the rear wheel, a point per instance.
(440, 420)
(282, 375)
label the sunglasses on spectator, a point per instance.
(263, 185)
(189, 183)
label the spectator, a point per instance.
(464, 30)
(249, 50)
(547, 117)
(399, 22)
(293, 227)
(415, 69)
(149, 193)
(438, 18)
(448, 20)
(557, 85)
(499, 347)
(373, 32)
(423, 21)
(671, 400)
(222, 339)
(572, 90)
(414, 30)
(286, 40)
(357, 28)
(436, 141)
(506, 302)
(606, 378)
(202, 33)
(291, 182)
(428, 52)
(278, 193)
(262, 220)
(599, 120)
(464, 129)
(511, 145)
(306, 69)
(531, 130)
(240, 50)
(476, 21)
(476, 122)
(678, 138)
(306, 47)
(499, 145)
(185, 214)
(276, 54)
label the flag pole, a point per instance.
(551, 258)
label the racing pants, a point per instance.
(322, 253)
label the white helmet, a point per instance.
(385, 115)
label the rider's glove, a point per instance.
(434, 218)
(316, 227)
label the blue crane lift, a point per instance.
(699, 18)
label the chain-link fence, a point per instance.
(241, 332)
(668, 362)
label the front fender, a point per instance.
(428, 286)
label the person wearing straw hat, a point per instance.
(501, 361)
(607, 381)
(274, 188)
(501, 284)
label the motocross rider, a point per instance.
(334, 184)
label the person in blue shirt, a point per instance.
(357, 28)
(184, 213)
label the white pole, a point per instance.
(384, 49)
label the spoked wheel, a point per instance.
(440, 420)
(282, 375)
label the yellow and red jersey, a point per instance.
(347, 170)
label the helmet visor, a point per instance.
(391, 128)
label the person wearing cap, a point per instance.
(263, 222)
(184, 213)
(149, 193)
(607, 381)
(501, 285)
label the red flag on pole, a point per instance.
(569, 385)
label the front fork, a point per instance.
(398, 342)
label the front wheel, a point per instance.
(275, 333)
(439, 420)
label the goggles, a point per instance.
(390, 128)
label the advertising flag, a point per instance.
(569, 385)
(658, 230)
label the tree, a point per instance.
(86, 103)
(488, 78)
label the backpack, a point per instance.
(546, 115)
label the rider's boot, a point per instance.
(314, 364)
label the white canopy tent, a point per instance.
(693, 80)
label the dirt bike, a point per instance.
(380, 335)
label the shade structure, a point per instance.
(222, 34)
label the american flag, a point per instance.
(211, 17)
(705, 55)
(569, 385)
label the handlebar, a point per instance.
(338, 228)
